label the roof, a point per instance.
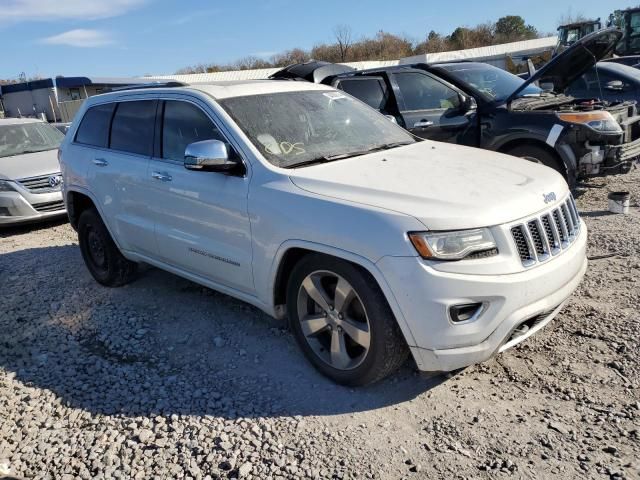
(221, 90)
(255, 87)
(18, 121)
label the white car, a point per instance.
(308, 204)
(30, 180)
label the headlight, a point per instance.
(6, 186)
(453, 245)
(600, 121)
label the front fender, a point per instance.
(350, 257)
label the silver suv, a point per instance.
(30, 180)
(307, 203)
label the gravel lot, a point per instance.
(166, 379)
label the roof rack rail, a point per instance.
(137, 86)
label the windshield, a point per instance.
(295, 128)
(491, 82)
(20, 138)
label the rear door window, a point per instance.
(94, 127)
(371, 91)
(184, 123)
(132, 127)
(421, 92)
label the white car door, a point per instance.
(116, 141)
(202, 223)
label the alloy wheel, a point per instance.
(333, 320)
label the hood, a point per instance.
(571, 64)
(446, 187)
(29, 165)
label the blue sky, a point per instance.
(137, 37)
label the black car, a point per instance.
(483, 106)
(612, 82)
(629, 60)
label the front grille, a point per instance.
(49, 206)
(542, 237)
(40, 184)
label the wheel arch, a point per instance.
(291, 252)
(532, 142)
(77, 202)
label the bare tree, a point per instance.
(343, 39)
(569, 17)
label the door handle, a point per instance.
(423, 124)
(100, 162)
(162, 176)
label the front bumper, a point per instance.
(16, 209)
(533, 297)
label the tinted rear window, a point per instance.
(370, 91)
(94, 128)
(132, 128)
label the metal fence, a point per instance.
(69, 109)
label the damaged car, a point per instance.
(480, 105)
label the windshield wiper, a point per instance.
(341, 156)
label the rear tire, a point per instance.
(100, 253)
(539, 155)
(350, 335)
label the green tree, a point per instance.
(513, 28)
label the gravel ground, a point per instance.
(166, 379)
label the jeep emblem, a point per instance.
(549, 197)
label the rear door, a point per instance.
(116, 140)
(431, 109)
(371, 90)
(201, 218)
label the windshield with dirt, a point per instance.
(493, 83)
(301, 128)
(21, 138)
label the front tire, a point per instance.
(342, 322)
(539, 155)
(100, 253)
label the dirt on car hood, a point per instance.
(444, 186)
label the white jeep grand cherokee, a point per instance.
(307, 203)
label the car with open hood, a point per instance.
(480, 105)
(308, 204)
(30, 180)
(609, 81)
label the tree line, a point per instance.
(384, 46)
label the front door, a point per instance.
(430, 109)
(202, 223)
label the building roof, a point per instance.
(481, 54)
(25, 86)
(71, 82)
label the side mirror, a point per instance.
(209, 155)
(615, 85)
(467, 103)
(391, 118)
(547, 86)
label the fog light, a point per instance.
(464, 312)
(4, 212)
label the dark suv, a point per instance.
(481, 105)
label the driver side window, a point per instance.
(421, 92)
(184, 123)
